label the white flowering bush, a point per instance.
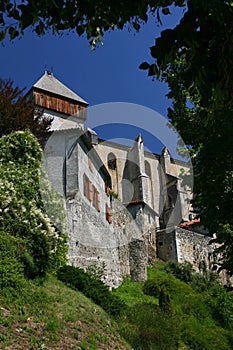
(41, 247)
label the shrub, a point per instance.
(198, 336)
(201, 283)
(221, 304)
(92, 287)
(41, 246)
(164, 300)
(154, 285)
(11, 270)
(183, 272)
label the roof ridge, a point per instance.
(50, 83)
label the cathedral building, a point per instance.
(124, 206)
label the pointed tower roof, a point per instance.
(50, 84)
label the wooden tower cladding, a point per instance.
(52, 95)
(57, 103)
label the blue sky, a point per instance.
(108, 74)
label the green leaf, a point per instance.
(144, 66)
(80, 30)
(154, 51)
(136, 26)
(153, 70)
(13, 32)
(40, 28)
(2, 35)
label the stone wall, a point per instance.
(194, 248)
(95, 242)
(182, 245)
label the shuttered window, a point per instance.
(96, 199)
(108, 214)
(90, 191)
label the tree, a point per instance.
(92, 17)
(194, 58)
(18, 113)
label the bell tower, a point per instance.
(58, 101)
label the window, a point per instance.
(91, 192)
(107, 189)
(170, 202)
(96, 199)
(108, 214)
(111, 161)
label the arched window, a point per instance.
(112, 161)
(170, 202)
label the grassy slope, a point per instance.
(53, 316)
(191, 321)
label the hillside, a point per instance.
(53, 316)
(175, 309)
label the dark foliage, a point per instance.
(151, 328)
(92, 287)
(17, 113)
(183, 272)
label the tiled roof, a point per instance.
(49, 83)
(188, 224)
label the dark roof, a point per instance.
(51, 84)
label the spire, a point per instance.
(139, 138)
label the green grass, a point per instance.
(190, 320)
(131, 293)
(50, 315)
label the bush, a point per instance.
(183, 272)
(201, 283)
(92, 287)
(153, 286)
(41, 247)
(198, 336)
(221, 304)
(11, 270)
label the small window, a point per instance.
(107, 189)
(96, 199)
(90, 191)
(112, 161)
(170, 202)
(108, 214)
